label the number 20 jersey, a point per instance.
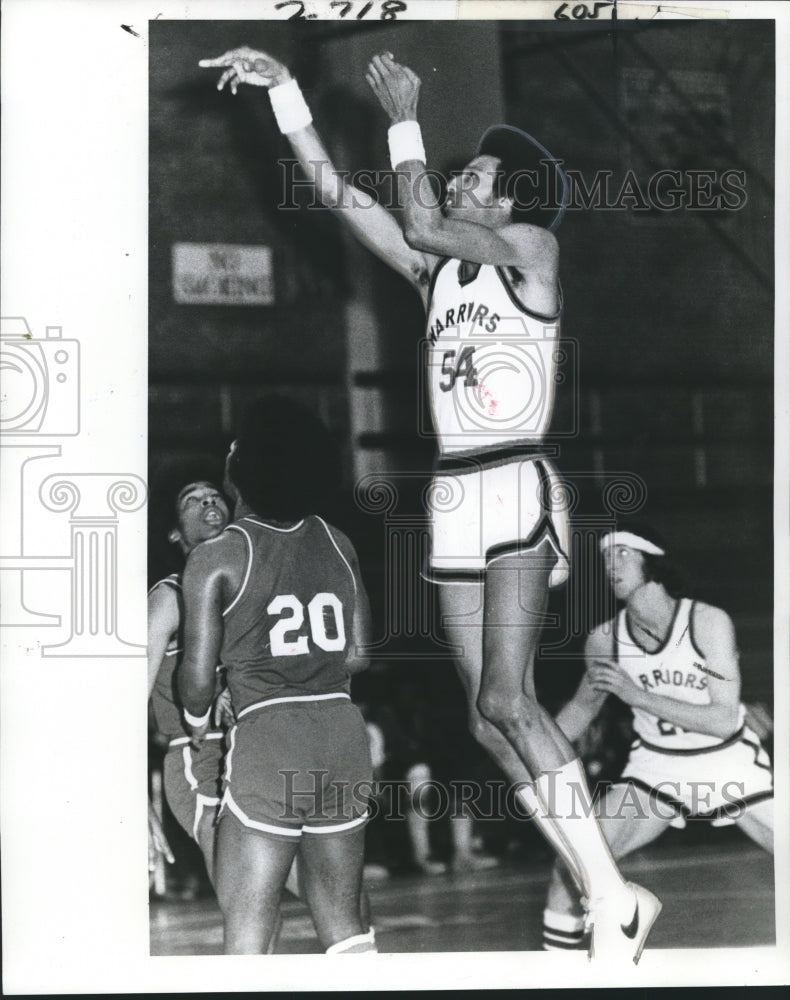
(288, 629)
(491, 363)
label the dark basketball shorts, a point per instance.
(298, 766)
(192, 779)
(716, 784)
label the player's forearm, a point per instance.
(195, 686)
(422, 216)
(718, 720)
(576, 717)
(330, 185)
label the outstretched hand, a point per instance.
(246, 65)
(397, 87)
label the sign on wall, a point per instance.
(222, 274)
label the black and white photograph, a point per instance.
(395, 485)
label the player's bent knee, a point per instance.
(503, 711)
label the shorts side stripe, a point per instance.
(229, 754)
(253, 824)
(337, 827)
(186, 755)
(202, 802)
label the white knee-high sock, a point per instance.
(566, 798)
(532, 803)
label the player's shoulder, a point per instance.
(340, 539)
(708, 618)
(216, 552)
(165, 593)
(533, 241)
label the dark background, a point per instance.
(670, 385)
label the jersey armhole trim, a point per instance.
(243, 587)
(331, 539)
(692, 640)
(544, 317)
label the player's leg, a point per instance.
(417, 824)
(516, 597)
(628, 821)
(331, 875)
(461, 607)
(206, 836)
(251, 870)
(515, 601)
(758, 823)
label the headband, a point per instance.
(632, 541)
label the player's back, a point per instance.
(287, 630)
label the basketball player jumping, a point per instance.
(489, 283)
(674, 661)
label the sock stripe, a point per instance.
(552, 932)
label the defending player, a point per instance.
(675, 662)
(490, 285)
(191, 773)
(278, 601)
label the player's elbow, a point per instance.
(195, 694)
(419, 235)
(729, 716)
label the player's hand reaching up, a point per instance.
(246, 65)
(397, 87)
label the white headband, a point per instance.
(632, 541)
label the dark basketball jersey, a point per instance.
(167, 713)
(288, 629)
(164, 701)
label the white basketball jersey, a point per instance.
(675, 670)
(491, 362)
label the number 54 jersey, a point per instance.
(287, 630)
(491, 362)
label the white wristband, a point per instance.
(405, 143)
(196, 722)
(289, 107)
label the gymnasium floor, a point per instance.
(716, 885)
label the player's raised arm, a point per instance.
(578, 713)
(494, 240)
(369, 221)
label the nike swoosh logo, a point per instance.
(633, 927)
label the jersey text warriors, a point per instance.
(491, 362)
(675, 670)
